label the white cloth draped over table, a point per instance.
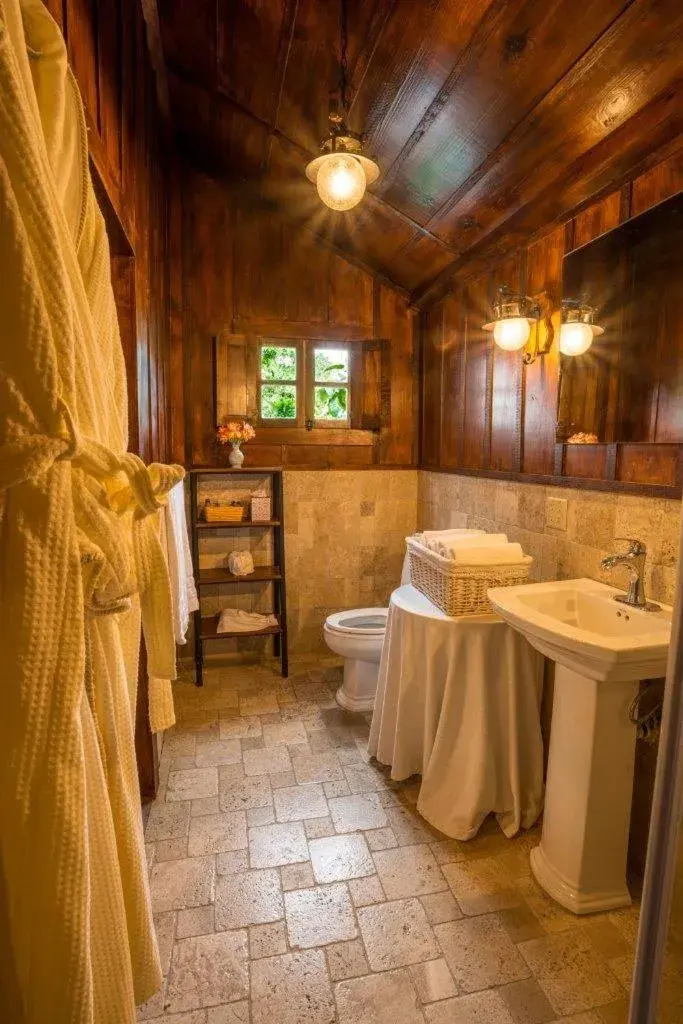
(81, 565)
(458, 701)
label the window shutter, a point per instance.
(235, 375)
(370, 383)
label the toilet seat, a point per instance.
(358, 622)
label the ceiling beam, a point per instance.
(150, 12)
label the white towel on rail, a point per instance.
(183, 589)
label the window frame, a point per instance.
(312, 345)
(297, 383)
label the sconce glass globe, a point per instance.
(575, 338)
(511, 333)
(340, 181)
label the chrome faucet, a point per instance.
(634, 561)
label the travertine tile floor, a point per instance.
(294, 883)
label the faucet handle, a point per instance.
(635, 546)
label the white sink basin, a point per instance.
(578, 624)
(601, 648)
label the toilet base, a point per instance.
(357, 692)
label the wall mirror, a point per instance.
(628, 386)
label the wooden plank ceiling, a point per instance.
(489, 118)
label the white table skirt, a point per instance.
(458, 701)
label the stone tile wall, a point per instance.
(345, 536)
(531, 515)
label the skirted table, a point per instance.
(458, 701)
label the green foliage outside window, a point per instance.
(331, 366)
(278, 362)
(278, 401)
(331, 403)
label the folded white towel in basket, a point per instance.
(447, 548)
(444, 536)
(493, 554)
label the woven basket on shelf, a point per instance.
(224, 513)
(460, 589)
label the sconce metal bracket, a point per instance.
(541, 308)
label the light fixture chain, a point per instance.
(343, 58)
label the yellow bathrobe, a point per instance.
(80, 559)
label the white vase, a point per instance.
(236, 456)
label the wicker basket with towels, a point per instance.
(456, 587)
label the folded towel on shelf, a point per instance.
(494, 554)
(234, 620)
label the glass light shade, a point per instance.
(340, 181)
(575, 338)
(512, 333)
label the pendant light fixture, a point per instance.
(577, 329)
(342, 172)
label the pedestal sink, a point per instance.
(601, 649)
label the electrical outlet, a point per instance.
(556, 514)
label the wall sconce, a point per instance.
(514, 318)
(577, 329)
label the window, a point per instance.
(330, 385)
(278, 378)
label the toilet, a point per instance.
(357, 636)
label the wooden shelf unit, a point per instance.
(205, 627)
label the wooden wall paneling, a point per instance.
(350, 294)
(454, 364)
(596, 219)
(432, 385)
(588, 460)
(261, 268)
(476, 447)
(110, 85)
(508, 373)
(306, 277)
(175, 300)
(207, 268)
(81, 17)
(655, 464)
(541, 378)
(398, 436)
(657, 184)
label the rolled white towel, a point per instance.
(495, 554)
(448, 548)
(443, 536)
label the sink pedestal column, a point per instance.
(581, 861)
